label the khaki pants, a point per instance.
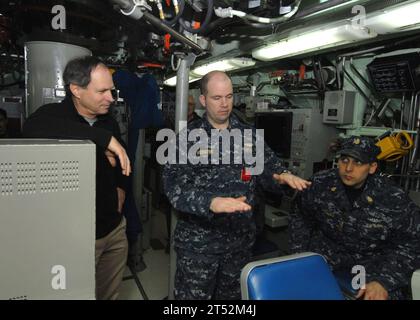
(110, 259)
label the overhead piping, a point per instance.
(210, 6)
(136, 11)
(230, 13)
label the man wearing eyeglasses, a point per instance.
(355, 217)
(84, 114)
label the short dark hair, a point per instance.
(78, 71)
(3, 113)
(205, 80)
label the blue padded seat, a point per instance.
(303, 276)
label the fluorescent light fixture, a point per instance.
(223, 65)
(313, 40)
(399, 18)
(172, 81)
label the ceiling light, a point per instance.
(313, 40)
(401, 18)
(223, 65)
(172, 81)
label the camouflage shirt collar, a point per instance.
(233, 122)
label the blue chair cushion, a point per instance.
(304, 278)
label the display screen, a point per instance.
(277, 131)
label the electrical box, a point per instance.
(398, 73)
(47, 219)
(339, 107)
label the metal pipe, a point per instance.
(319, 68)
(317, 9)
(138, 283)
(362, 52)
(413, 119)
(181, 106)
(416, 96)
(407, 184)
(414, 165)
(357, 87)
(409, 128)
(414, 152)
(338, 73)
(127, 6)
(411, 160)
(416, 141)
(277, 20)
(405, 160)
(262, 85)
(157, 23)
(365, 82)
(179, 10)
(411, 165)
(181, 111)
(343, 67)
(402, 111)
(295, 93)
(209, 14)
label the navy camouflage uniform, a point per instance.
(213, 248)
(379, 230)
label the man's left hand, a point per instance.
(121, 199)
(293, 181)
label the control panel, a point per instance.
(400, 73)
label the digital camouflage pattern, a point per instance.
(380, 230)
(201, 233)
(360, 148)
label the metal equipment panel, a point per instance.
(300, 142)
(47, 220)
